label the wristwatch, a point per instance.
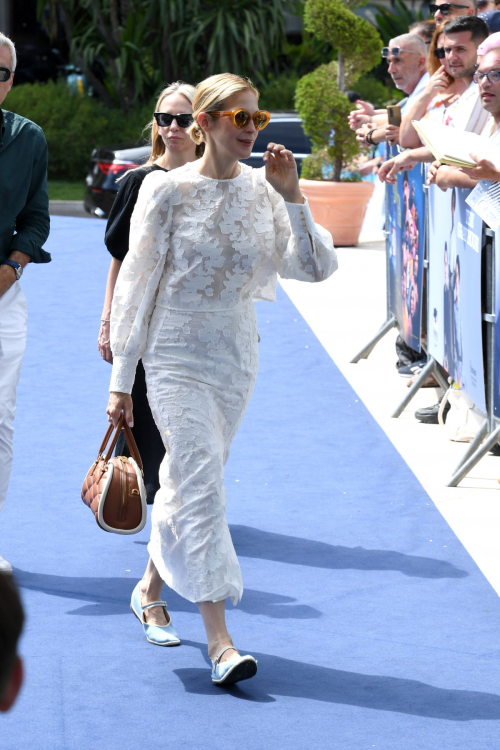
(16, 266)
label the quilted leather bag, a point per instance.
(114, 487)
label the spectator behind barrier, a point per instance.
(487, 77)
(450, 96)
(485, 6)
(423, 29)
(406, 56)
(492, 20)
(11, 625)
(444, 11)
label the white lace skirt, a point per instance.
(200, 372)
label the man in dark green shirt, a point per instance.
(24, 227)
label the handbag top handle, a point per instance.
(132, 446)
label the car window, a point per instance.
(290, 134)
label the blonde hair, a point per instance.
(157, 145)
(210, 96)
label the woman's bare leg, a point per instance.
(214, 619)
(151, 587)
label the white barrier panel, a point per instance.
(454, 289)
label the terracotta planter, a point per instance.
(339, 207)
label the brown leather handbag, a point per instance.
(114, 487)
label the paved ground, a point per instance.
(345, 312)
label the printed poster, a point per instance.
(406, 224)
(496, 379)
(454, 288)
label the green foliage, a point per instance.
(323, 109)
(128, 49)
(354, 37)
(320, 100)
(373, 90)
(65, 190)
(393, 23)
(278, 92)
(315, 166)
(74, 125)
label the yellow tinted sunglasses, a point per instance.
(240, 118)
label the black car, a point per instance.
(107, 163)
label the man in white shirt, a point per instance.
(406, 57)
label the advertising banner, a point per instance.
(496, 398)
(454, 289)
(406, 223)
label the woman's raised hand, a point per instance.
(118, 403)
(281, 172)
(438, 82)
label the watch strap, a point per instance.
(15, 265)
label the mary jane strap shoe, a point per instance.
(232, 670)
(160, 635)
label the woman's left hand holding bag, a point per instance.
(281, 172)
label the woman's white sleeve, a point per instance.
(137, 284)
(305, 250)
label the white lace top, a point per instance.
(209, 245)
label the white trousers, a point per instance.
(13, 323)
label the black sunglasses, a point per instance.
(444, 8)
(440, 53)
(5, 74)
(164, 119)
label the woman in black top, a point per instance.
(171, 147)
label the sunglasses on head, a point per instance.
(164, 119)
(240, 118)
(440, 53)
(5, 74)
(444, 8)
(396, 51)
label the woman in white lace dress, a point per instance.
(207, 239)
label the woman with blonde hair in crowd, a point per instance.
(171, 147)
(206, 240)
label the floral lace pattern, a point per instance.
(201, 251)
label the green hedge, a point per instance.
(74, 125)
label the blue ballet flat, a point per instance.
(233, 670)
(160, 635)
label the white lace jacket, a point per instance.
(208, 245)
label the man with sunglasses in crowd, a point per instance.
(24, 227)
(406, 57)
(444, 11)
(463, 35)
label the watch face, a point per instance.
(19, 271)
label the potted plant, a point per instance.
(338, 200)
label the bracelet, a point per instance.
(105, 320)
(369, 137)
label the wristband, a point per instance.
(369, 137)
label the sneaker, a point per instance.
(5, 567)
(429, 414)
(409, 371)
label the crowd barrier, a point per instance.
(443, 295)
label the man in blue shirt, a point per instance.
(24, 227)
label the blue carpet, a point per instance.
(372, 625)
